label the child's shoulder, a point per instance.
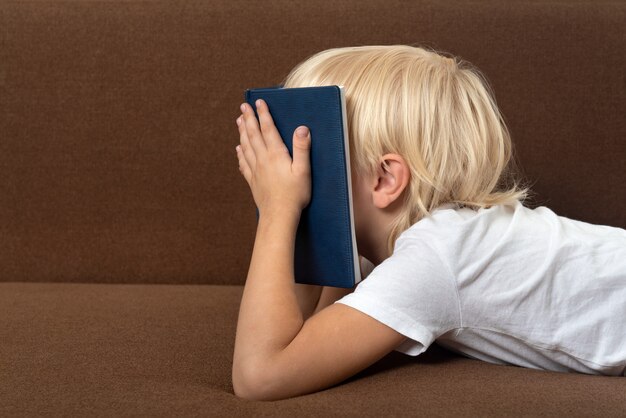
(451, 223)
(463, 229)
(451, 216)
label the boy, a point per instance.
(458, 259)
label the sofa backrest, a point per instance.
(117, 119)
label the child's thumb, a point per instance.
(301, 148)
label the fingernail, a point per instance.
(258, 103)
(243, 107)
(302, 131)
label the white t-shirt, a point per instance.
(507, 285)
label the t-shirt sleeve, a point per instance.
(412, 292)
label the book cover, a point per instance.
(325, 250)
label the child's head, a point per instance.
(436, 113)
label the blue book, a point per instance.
(325, 250)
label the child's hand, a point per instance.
(276, 182)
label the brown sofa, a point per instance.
(126, 228)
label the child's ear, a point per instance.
(392, 178)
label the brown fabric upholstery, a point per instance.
(118, 173)
(121, 349)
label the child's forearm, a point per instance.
(308, 296)
(269, 316)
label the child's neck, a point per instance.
(373, 246)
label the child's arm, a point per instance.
(330, 295)
(313, 299)
(277, 353)
(308, 298)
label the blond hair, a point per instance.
(437, 112)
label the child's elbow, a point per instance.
(241, 383)
(248, 383)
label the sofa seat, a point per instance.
(150, 349)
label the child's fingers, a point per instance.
(301, 150)
(244, 169)
(246, 149)
(255, 138)
(272, 137)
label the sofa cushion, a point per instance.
(167, 349)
